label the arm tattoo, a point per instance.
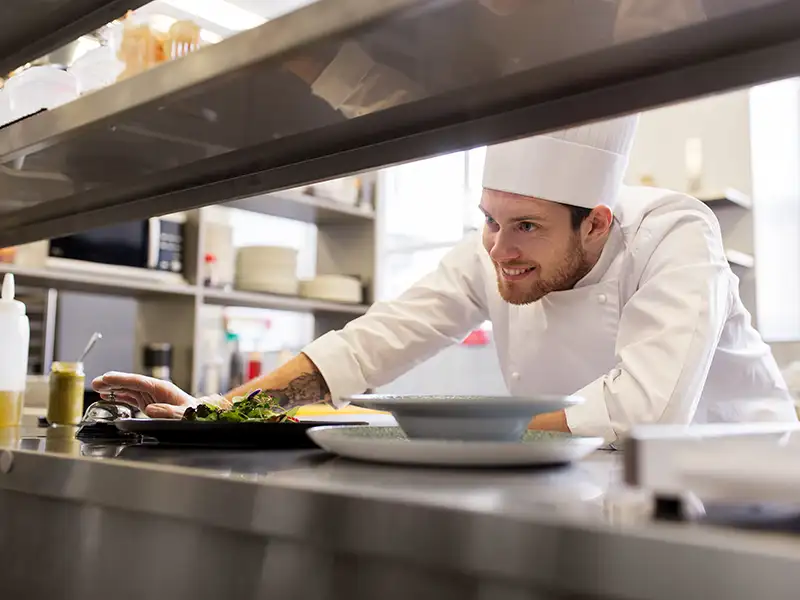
(308, 388)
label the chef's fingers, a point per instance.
(157, 389)
(126, 398)
(164, 411)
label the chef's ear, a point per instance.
(598, 223)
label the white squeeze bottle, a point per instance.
(15, 334)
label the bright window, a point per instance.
(775, 139)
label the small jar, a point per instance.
(65, 405)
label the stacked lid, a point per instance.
(338, 288)
(270, 269)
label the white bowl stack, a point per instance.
(338, 288)
(271, 269)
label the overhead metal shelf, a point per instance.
(30, 29)
(239, 118)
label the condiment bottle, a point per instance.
(67, 383)
(15, 334)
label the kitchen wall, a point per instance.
(722, 124)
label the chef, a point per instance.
(621, 295)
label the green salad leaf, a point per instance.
(257, 407)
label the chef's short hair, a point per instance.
(578, 215)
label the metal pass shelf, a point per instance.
(32, 28)
(251, 114)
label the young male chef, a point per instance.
(621, 295)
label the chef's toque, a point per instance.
(582, 166)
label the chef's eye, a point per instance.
(528, 226)
(490, 222)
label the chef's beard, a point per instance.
(572, 269)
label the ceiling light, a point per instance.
(221, 12)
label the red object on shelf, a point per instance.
(478, 337)
(253, 367)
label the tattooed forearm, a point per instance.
(304, 389)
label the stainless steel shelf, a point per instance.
(730, 197)
(291, 204)
(234, 120)
(93, 283)
(118, 286)
(30, 29)
(280, 302)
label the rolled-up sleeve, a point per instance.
(668, 332)
(394, 336)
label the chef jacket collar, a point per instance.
(614, 245)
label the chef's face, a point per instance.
(534, 246)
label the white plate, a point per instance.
(390, 445)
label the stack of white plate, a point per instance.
(338, 288)
(271, 269)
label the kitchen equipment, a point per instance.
(96, 336)
(65, 404)
(155, 244)
(157, 360)
(106, 411)
(96, 69)
(669, 460)
(40, 87)
(472, 418)
(271, 269)
(15, 336)
(337, 288)
(98, 422)
(391, 445)
(218, 242)
(224, 435)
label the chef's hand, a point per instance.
(157, 398)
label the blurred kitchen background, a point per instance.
(214, 296)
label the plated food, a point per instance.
(253, 421)
(257, 407)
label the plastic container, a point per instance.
(65, 404)
(5, 108)
(15, 334)
(40, 87)
(96, 69)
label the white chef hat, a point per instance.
(582, 166)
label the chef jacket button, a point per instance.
(601, 298)
(515, 376)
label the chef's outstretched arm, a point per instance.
(394, 336)
(669, 328)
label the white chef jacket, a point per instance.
(654, 333)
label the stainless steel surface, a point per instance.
(231, 121)
(106, 411)
(30, 29)
(301, 525)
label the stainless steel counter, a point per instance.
(244, 524)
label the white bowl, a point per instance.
(40, 87)
(465, 418)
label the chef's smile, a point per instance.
(515, 273)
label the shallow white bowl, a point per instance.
(465, 418)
